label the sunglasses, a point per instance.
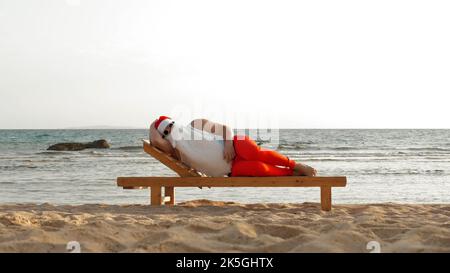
(166, 132)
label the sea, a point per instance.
(398, 166)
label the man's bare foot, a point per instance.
(304, 170)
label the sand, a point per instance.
(207, 226)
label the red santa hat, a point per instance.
(162, 123)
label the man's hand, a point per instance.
(228, 152)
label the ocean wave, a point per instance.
(317, 147)
(384, 171)
(289, 147)
(297, 147)
(344, 159)
(346, 148)
(359, 148)
(54, 153)
(129, 148)
(367, 156)
(42, 136)
(325, 159)
(428, 149)
(7, 183)
(17, 167)
(415, 171)
(45, 160)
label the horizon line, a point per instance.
(286, 128)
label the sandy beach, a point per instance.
(208, 226)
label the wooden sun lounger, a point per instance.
(191, 178)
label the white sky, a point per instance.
(307, 64)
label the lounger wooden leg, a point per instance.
(156, 197)
(325, 198)
(170, 191)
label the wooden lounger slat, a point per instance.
(282, 181)
(173, 164)
(192, 178)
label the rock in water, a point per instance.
(74, 146)
(98, 144)
(67, 147)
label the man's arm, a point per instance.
(220, 130)
(161, 143)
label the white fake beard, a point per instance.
(176, 134)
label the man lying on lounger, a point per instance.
(211, 148)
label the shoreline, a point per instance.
(213, 226)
